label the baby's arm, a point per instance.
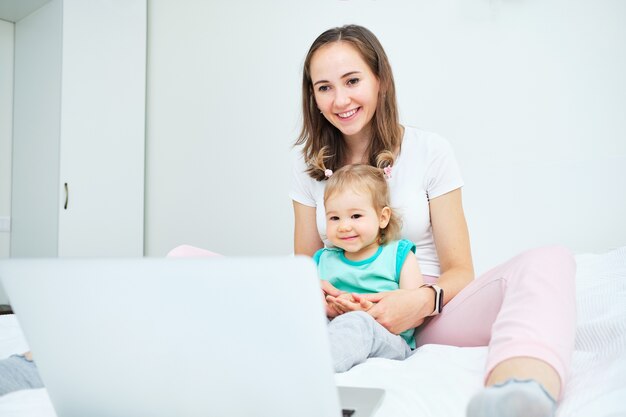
(411, 274)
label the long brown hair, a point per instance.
(323, 142)
(363, 178)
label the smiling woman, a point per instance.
(350, 116)
(345, 89)
(348, 79)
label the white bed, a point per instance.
(438, 380)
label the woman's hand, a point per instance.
(400, 310)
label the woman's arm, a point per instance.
(306, 240)
(404, 309)
(452, 243)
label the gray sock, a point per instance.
(17, 373)
(513, 398)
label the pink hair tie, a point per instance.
(387, 172)
(328, 173)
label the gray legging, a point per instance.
(356, 336)
(17, 373)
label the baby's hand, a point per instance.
(331, 309)
(328, 290)
(363, 302)
(349, 302)
(346, 296)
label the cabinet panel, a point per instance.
(36, 124)
(102, 128)
(79, 119)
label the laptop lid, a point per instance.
(164, 337)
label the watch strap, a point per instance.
(438, 298)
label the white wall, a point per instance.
(6, 123)
(531, 95)
(221, 116)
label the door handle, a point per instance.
(67, 196)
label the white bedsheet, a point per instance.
(438, 380)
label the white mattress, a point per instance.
(439, 380)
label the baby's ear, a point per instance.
(385, 216)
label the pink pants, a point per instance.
(524, 307)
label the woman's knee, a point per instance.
(549, 258)
(551, 266)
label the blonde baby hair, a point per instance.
(363, 178)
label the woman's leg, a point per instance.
(524, 310)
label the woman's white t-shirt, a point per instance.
(426, 168)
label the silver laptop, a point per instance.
(180, 337)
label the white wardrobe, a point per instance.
(79, 130)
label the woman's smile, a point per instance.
(348, 115)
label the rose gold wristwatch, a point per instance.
(438, 298)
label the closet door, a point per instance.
(36, 126)
(102, 135)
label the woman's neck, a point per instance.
(357, 149)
